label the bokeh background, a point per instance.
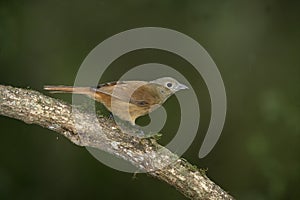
(255, 44)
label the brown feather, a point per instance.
(126, 99)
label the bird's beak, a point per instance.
(181, 87)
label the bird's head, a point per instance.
(170, 83)
(167, 86)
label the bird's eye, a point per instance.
(169, 85)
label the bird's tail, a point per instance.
(67, 89)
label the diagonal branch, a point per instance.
(33, 107)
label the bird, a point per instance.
(128, 100)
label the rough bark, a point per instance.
(33, 107)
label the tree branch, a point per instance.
(33, 107)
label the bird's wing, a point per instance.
(140, 93)
(147, 95)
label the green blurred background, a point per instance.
(255, 44)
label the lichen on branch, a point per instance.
(33, 107)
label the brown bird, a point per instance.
(128, 99)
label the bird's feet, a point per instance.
(130, 129)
